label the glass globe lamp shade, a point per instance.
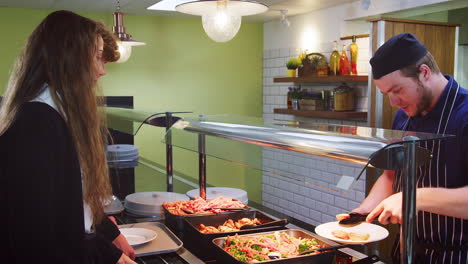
(221, 26)
(221, 19)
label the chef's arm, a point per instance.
(444, 201)
(381, 189)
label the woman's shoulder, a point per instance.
(38, 118)
(37, 112)
(37, 109)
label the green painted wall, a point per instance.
(179, 69)
(458, 16)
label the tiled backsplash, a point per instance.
(290, 179)
(291, 186)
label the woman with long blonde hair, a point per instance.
(53, 170)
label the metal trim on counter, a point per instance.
(189, 257)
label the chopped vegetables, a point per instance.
(307, 245)
(265, 247)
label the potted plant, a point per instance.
(295, 94)
(292, 65)
(302, 57)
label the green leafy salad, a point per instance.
(267, 247)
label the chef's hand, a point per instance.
(389, 210)
(121, 242)
(124, 259)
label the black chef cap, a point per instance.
(399, 51)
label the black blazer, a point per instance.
(41, 198)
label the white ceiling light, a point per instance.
(125, 40)
(284, 20)
(167, 5)
(221, 18)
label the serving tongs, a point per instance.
(354, 219)
(281, 222)
(191, 211)
(323, 249)
(317, 250)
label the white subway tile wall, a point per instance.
(290, 179)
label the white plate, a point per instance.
(375, 232)
(137, 236)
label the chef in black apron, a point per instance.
(431, 102)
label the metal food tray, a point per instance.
(201, 244)
(165, 242)
(322, 258)
(176, 222)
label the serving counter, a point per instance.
(186, 254)
(218, 137)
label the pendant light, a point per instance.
(222, 18)
(125, 42)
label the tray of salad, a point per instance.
(272, 247)
(201, 230)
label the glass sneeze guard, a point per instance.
(118, 118)
(130, 120)
(363, 146)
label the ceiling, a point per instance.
(138, 7)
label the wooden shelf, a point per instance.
(322, 114)
(332, 78)
(357, 36)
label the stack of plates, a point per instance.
(149, 204)
(113, 206)
(122, 156)
(213, 192)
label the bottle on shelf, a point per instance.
(335, 59)
(353, 48)
(344, 62)
(331, 102)
(326, 100)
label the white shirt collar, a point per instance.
(45, 97)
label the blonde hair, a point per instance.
(61, 52)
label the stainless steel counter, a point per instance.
(184, 256)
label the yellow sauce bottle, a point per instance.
(335, 59)
(353, 48)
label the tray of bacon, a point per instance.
(201, 230)
(273, 247)
(174, 213)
